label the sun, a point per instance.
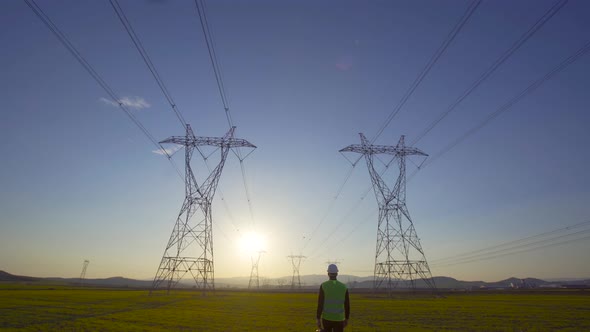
(252, 242)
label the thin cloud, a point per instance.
(137, 103)
(170, 151)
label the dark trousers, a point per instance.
(332, 326)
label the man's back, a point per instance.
(333, 303)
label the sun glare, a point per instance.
(252, 242)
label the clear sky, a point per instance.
(80, 181)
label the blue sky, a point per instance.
(80, 181)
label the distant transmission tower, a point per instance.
(254, 280)
(190, 248)
(399, 258)
(296, 262)
(83, 274)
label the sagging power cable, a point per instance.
(101, 82)
(424, 72)
(147, 60)
(215, 63)
(529, 243)
(494, 66)
(415, 84)
(506, 106)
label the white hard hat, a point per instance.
(332, 268)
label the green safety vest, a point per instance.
(334, 295)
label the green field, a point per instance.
(58, 308)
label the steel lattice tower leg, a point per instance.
(399, 258)
(296, 262)
(254, 279)
(83, 274)
(190, 247)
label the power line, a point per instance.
(350, 211)
(516, 252)
(213, 57)
(146, 58)
(330, 206)
(205, 27)
(499, 61)
(361, 222)
(439, 52)
(546, 236)
(347, 215)
(515, 247)
(417, 81)
(112, 94)
(70, 47)
(511, 243)
(532, 87)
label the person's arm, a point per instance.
(318, 313)
(346, 306)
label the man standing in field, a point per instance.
(333, 303)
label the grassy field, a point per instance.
(58, 308)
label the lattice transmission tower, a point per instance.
(399, 259)
(254, 279)
(296, 262)
(83, 274)
(190, 247)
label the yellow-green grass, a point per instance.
(59, 308)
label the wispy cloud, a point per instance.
(170, 151)
(137, 103)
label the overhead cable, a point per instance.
(439, 52)
(213, 57)
(517, 246)
(531, 88)
(112, 94)
(348, 214)
(417, 81)
(514, 243)
(206, 29)
(146, 59)
(499, 61)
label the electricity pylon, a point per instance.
(190, 247)
(399, 258)
(83, 274)
(296, 262)
(254, 280)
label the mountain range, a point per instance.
(307, 281)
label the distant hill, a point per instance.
(107, 282)
(5, 276)
(307, 281)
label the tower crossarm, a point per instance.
(383, 149)
(227, 141)
(195, 141)
(369, 149)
